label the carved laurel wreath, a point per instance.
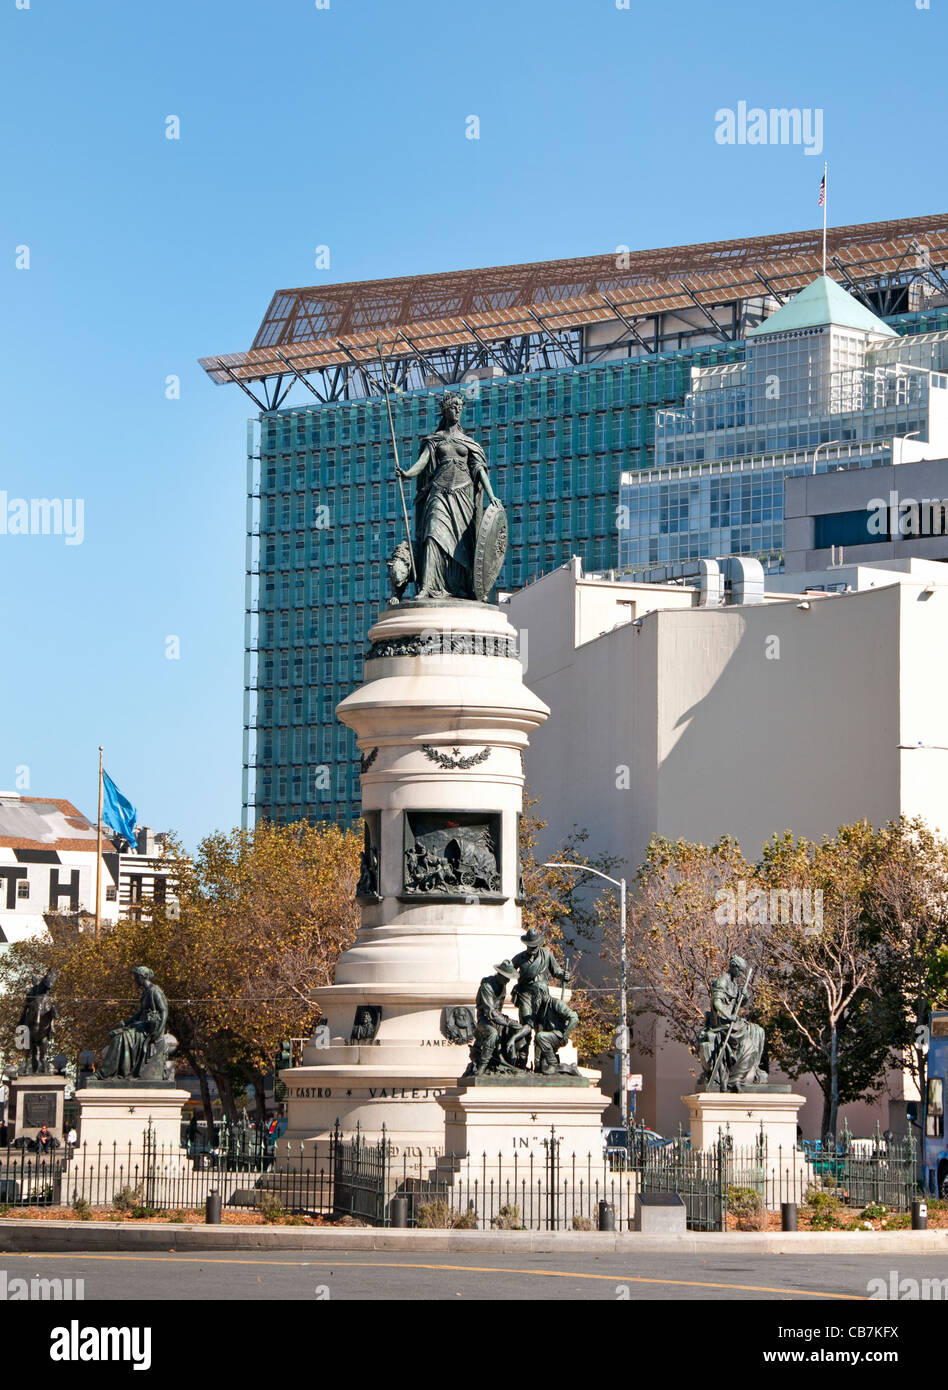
(367, 759)
(454, 760)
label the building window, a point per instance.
(23, 888)
(110, 893)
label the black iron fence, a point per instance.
(361, 1173)
(881, 1170)
(146, 1177)
(360, 1178)
(557, 1191)
(545, 1191)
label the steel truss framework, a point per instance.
(509, 320)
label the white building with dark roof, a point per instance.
(48, 863)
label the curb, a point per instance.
(66, 1237)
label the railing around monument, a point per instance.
(851, 1174)
(700, 1177)
(358, 1178)
(146, 1177)
(361, 1177)
(860, 1172)
(534, 1192)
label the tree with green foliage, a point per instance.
(824, 999)
(682, 930)
(259, 921)
(907, 910)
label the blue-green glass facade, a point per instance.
(324, 514)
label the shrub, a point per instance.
(874, 1211)
(81, 1208)
(435, 1215)
(746, 1205)
(270, 1207)
(583, 1223)
(508, 1219)
(127, 1199)
(440, 1215)
(824, 1210)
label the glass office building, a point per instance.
(581, 376)
(325, 513)
(822, 384)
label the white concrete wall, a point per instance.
(718, 738)
(849, 721)
(923, 725)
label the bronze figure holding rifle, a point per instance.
(731, 1047)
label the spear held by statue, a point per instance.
(398, 473)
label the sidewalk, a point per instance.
(74, 1237)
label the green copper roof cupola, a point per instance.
(822, 303)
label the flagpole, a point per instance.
(98, 854)
(825, 198)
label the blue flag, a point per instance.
(117, 811)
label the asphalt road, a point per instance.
(389, 1276)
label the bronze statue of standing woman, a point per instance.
(460, 527)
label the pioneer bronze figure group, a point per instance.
(501, 1043)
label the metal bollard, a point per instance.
(398, 1211)
(607, 1216)
(919, 1216)
(212, 1208)
(788, 1216)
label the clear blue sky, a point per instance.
(344, 127)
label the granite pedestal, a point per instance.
(744, 1116)
(116, 1116)
(751, 1119)
(36, 1101)
(503, 1116)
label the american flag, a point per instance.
(822, 192)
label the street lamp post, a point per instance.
(902, 438)
(824, 444)
(623, 1006)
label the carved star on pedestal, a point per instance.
(533, 1117)
(131, 1110)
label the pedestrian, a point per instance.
(72, 1139)
(44, 1140)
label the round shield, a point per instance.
(490, 550)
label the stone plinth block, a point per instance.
(745, 1118)
(119, 1114)
(37, 1101)
(713, 1113)
(660, 1214)
(507, 1115)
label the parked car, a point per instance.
(616, 1147)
